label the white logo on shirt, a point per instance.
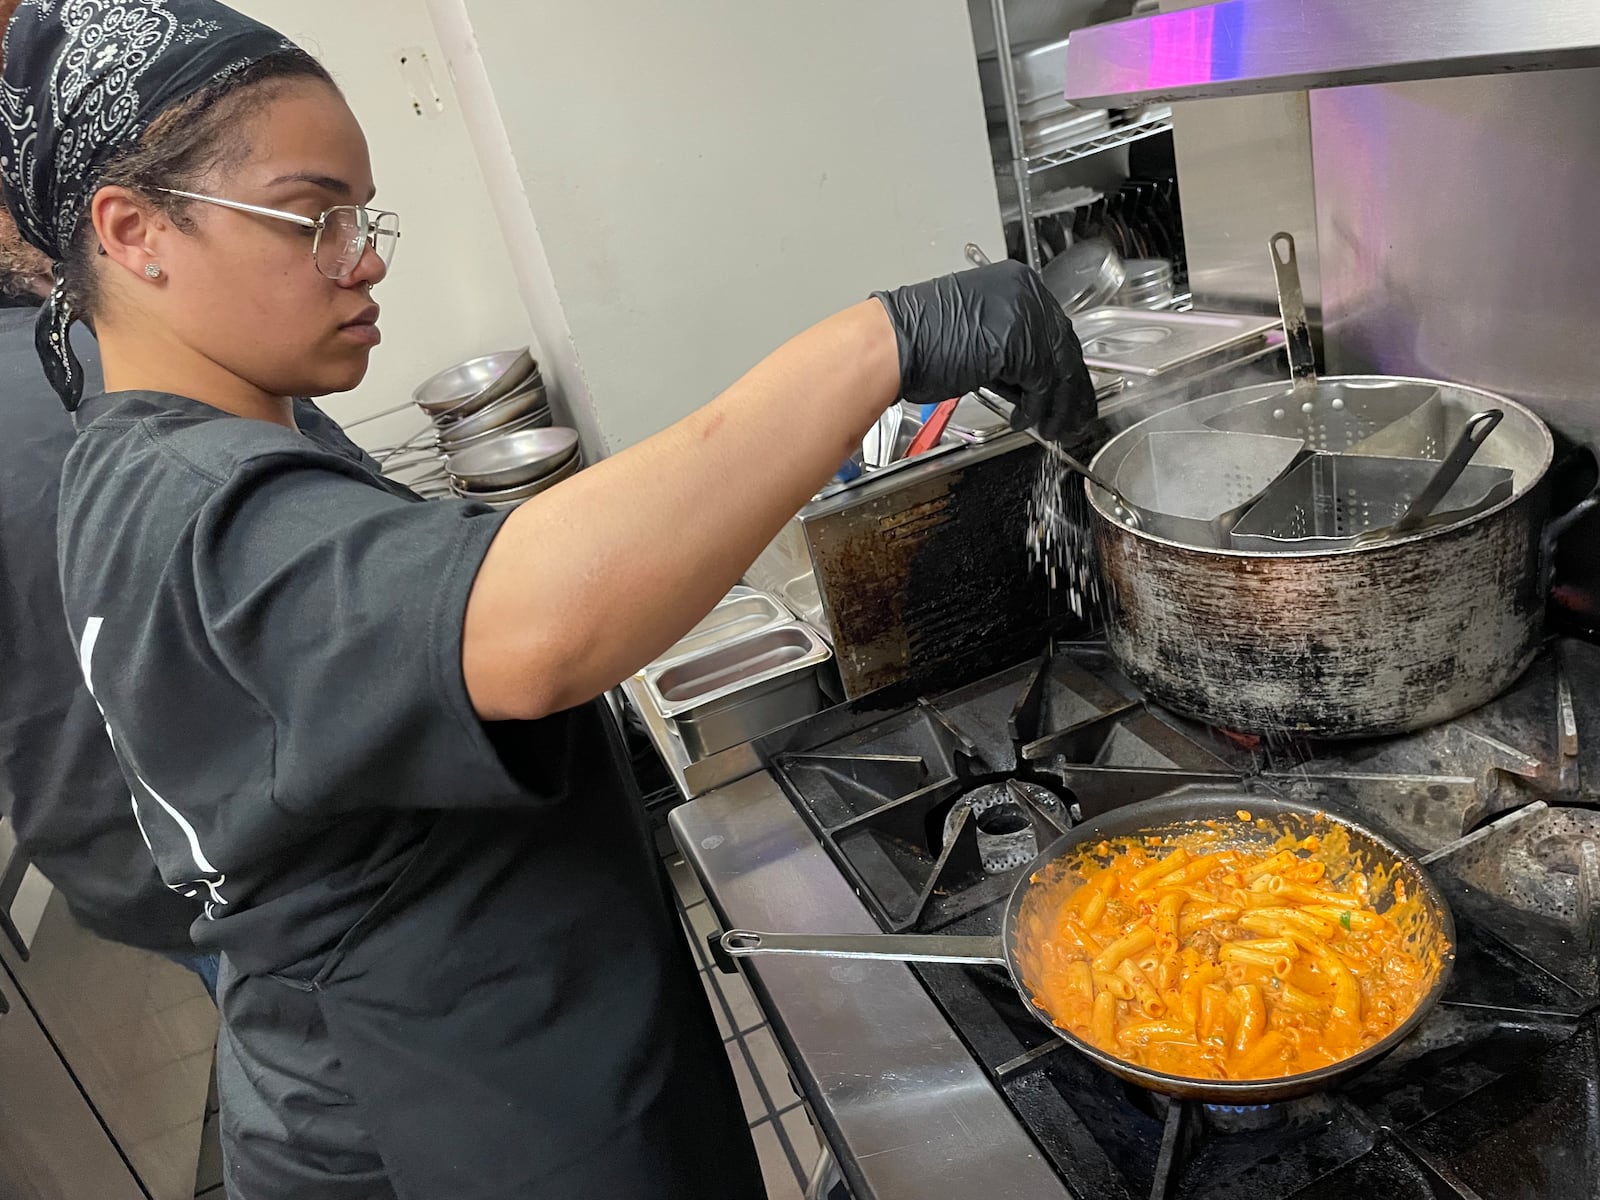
(211, 879)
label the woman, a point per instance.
(361, 729)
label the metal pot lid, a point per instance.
(513, 454)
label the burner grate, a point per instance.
(1534, 877)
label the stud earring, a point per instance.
(152, 270)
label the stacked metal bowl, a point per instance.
(492, 429)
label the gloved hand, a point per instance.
(995, 326)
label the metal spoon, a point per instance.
(1126, 512)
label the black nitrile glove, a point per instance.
(995, 326)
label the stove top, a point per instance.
(932, 810)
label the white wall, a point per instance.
(564, 378)
(452, 294)
(706, 178)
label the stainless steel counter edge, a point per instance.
(905, 1106)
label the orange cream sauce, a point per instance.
(1227, 951)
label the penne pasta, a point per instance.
(1167, 910)
(1131, 942)
(1146, 996)
(1118, 987)
(1144, 878)
(1246, 954)
(1077, 930)
(1287, 922)
(1293, 999)
(1222, 964)
(1198, 917)
(1080, 980)
(1354, 919)
(1213, 1015)
(1255, 1062)
(1280, 861)
(1252, 1017)
(1299, 893)
(1144, 1032)
(1196, 870)
(1308, 871)
(1103, 1021)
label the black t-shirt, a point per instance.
(59, 782)
(466, 918)
(274, 635)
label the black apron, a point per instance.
(518, 1017)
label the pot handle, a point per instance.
(1554, 530)
(908, 947)
(1559, 525)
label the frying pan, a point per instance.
(1168, 815)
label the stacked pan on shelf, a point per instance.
(493, 436)
(504, 470)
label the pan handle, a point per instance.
(1292, 302)
(909, 947)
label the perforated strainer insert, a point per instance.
(1191, 485)
(1333, 417)
(1330, 500)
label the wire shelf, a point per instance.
(1147, 126)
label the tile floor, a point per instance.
(785, 1140)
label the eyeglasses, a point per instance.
(343, 232)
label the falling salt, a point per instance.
(1059, 537)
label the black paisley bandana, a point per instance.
(83, 79)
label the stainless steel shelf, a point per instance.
(1146, 126)
(1022, 165)
(1239, 47)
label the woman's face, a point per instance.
(244, 290)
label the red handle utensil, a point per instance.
(928, 436)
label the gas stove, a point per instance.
(1497, 1094)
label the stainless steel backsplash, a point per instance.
(1457, 222)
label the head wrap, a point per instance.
(83, 80)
